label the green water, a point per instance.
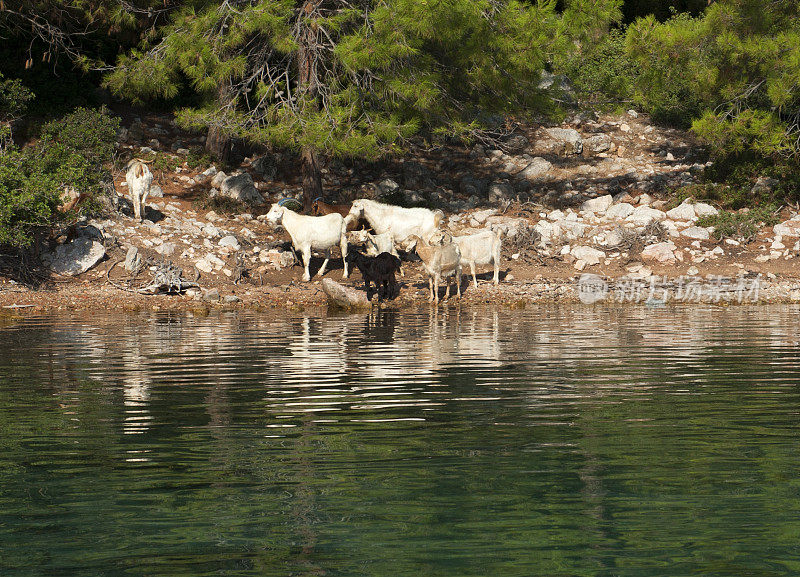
(635, 442)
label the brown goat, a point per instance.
(320, 208)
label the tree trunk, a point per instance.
(218, 145)
(308, 82)
(312, 178)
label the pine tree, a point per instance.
(734, 73)
(347, 78)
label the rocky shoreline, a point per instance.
(583, 204)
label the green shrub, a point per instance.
(605, 73)
(70, 153)
(85, 131)
(741, 225)
(14, 98)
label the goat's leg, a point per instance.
(447, 289)
(137, 208)
(343, 246)
(496, 271)
(430, 288)
(306, 261)
(458, 280)
(436, 286)
(143, 203)
(472, 270)
(325, 262)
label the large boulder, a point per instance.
(587, 254)
(537, 169)
(620, 211)
(683, 211)
(702, 209)
(643, 215)
(598, 205)
(240, 187)
(569, 140)
(596, 144)
(76, 256)
(344, 296)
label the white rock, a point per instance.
(481, 216)
(76, 256)
(538, 168)
(555, 215)
(589, 255)
(569, 138)
(599, 204)
(218, 179)
(684, 211)
(215, 261)
(702, 209)
(203, 266)
(693, 271)
(620, 211)
(211, 231)
(659, 253)
(229, 242)
(642, 215)
(788, 228)
(167, 249)
(696, 232)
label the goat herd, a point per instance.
(409, 229)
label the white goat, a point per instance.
(307, 232)
(481, 248)
(375, 244)
(139, 179)
(441, 258)
(401, 222)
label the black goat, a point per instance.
(378, 269)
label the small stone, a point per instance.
(204, 266)
(211, 295)
(693, 271)
(230, 242)
(659, 253)
(696, 232)
(132, 259)
(587, 254)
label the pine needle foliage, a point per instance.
(347, 78)
(732, 73)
